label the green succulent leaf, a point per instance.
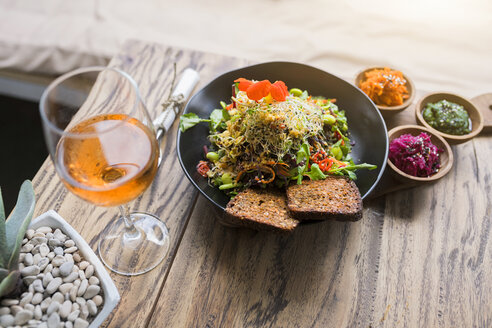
(3, 273)
(19, 220)
(8, 284)
(2, 210)
(3, 236)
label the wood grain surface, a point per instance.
(170, 196)
(419, 258)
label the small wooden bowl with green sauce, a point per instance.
(446, 156)
(476, 118)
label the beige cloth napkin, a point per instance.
(442, 45)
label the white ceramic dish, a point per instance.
(111, 296)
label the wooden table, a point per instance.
(419, 258)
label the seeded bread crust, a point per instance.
(260, 209)
(333, 198)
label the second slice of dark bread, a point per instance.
(260, 209)
(333, 198)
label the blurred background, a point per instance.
(443, 45)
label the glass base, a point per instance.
(131, 252)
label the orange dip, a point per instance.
(385, 87)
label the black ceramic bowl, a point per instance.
(366, 125)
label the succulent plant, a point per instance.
(12, 233)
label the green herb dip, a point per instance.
(447, 117)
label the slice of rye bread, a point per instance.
(260, 209)
(333, 198)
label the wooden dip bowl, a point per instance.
(446, 156)
(475, 116)
(389, 109)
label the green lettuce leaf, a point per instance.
(315, 173)
(187, 121)
(216, 117)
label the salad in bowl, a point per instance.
(269, 136)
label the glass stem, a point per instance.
(130, 231)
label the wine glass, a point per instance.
(102, 142)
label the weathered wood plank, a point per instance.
(419, 258)
(429, 266)
(170, 197)
(241, 278)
